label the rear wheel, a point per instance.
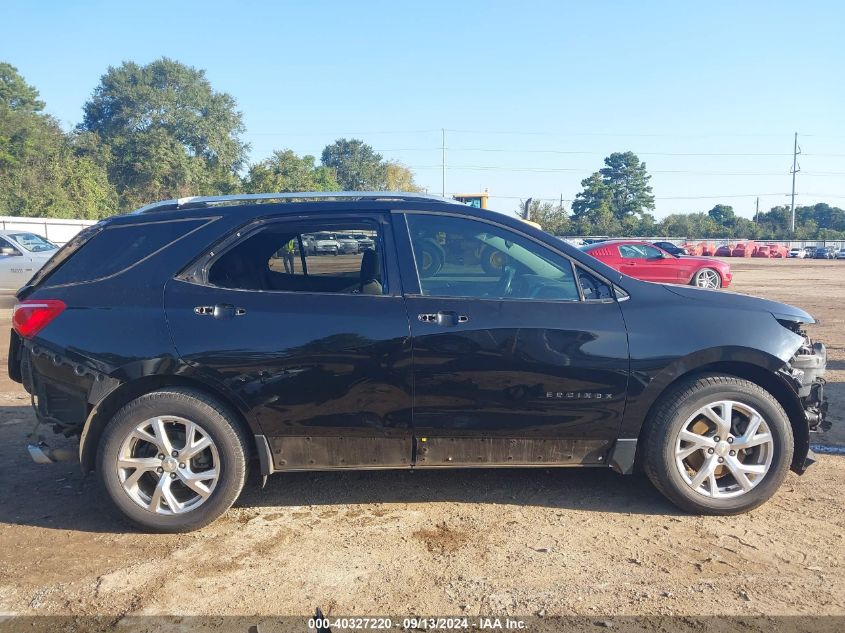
(173, 460)
(718, 445)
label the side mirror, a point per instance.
(8, 250)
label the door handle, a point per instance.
(220, 311)
(443, 318)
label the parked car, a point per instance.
(809, 252)
(840, 254)
(650, 263)
(364, 242)
(326, 244)
(671, 248)
(557, 359)
(22, 254)
(797, 253)
(724, 250)
(825, 252)
(347, 243)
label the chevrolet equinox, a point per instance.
(181, 341)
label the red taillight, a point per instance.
(30, 317)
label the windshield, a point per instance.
(33, 243)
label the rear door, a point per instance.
(511, 366)
(319, 357)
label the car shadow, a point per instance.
(58, 496)
(588, 489)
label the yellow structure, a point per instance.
(477, 200)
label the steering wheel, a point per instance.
(503, 288)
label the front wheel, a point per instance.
(173, 460)
(717, 445)
(707, 278)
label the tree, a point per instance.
(356, 165)
(15, 93)
(285, 171)
(627, 179)
(399, 178)
(44, 171)
(723, 214)
(168, 133)
(552, 217)
(616, 196)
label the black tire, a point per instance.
(430, 258)
(671, 414)
(493, 261)
(227, 434)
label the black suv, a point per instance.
(185, 338)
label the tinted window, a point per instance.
(4, 243)
(116, 248)
(304, 256)
(639, 251)
(593, 288)
(459, 257)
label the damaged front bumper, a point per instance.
(808, 367)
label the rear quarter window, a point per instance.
(118, 248)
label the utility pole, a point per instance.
(795, 169)
(757, 210)
(443, 160)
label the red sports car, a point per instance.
(650, 263)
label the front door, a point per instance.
(512, 365)
(648, 263)
(16, 267)
(315, 347)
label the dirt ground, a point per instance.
(519, 542)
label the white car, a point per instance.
(798, 253)
(346, 243)
(840, 254)
(22, 254)
(326, 243)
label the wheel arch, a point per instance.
(762, 377)
(105, 409)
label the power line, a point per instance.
(590, 170)
(739, 195)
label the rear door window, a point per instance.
(305, 256)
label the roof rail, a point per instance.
(200, 201)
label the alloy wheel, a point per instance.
(724, 449)
(168, 465)
(707, 278)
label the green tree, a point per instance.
(44, 171)
(15, 93)
(552, 217)
(616, 196)
(285, 171)
(356, 165)
(628, 182)
(723, 214)
(168, 133)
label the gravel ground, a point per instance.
(520, 542)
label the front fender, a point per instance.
(646, 385)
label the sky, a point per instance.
(532, 95)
